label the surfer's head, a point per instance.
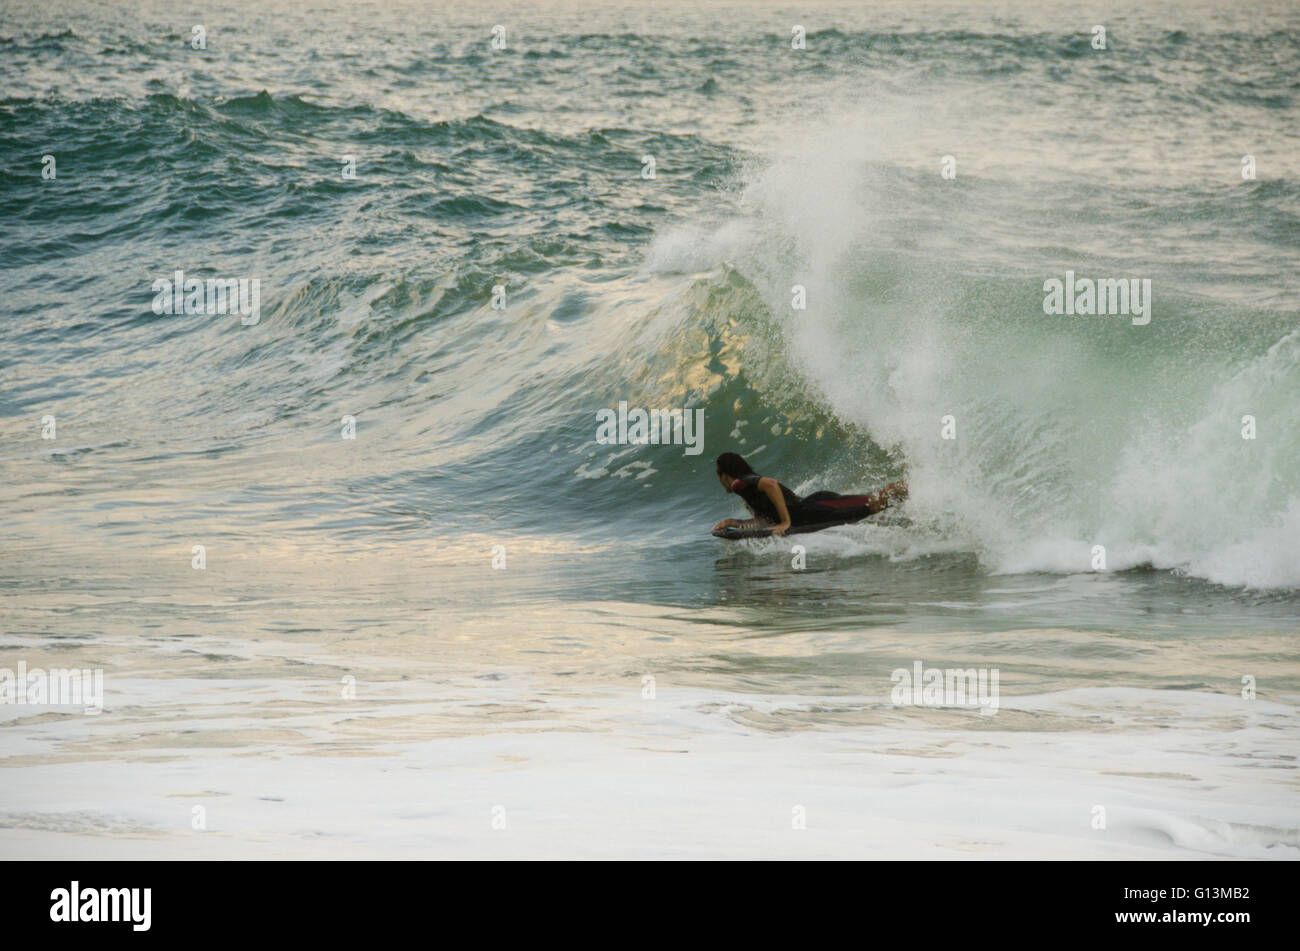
(732, 467)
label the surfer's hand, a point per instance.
(780, 529)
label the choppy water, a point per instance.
(522, 168)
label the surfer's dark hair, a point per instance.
(730, 464)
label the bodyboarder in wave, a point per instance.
(777, 510)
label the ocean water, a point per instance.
(476, 630)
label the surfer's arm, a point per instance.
(889, 495)
(772, 490)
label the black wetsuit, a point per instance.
(817, 509)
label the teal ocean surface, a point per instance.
(356, 555)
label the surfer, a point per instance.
(774, 505)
